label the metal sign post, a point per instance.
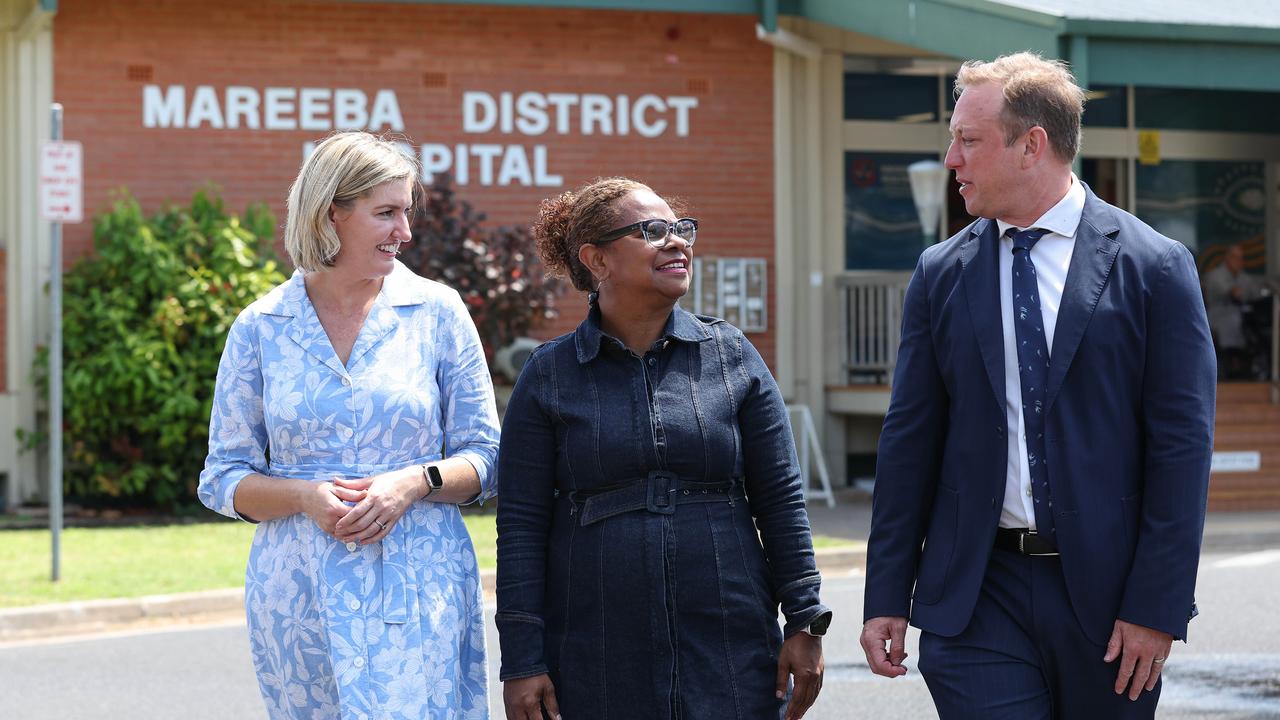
(61, 196)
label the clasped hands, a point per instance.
(1142, 652)
(363, 510)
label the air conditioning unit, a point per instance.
(511, 358)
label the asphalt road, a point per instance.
(1229, 671)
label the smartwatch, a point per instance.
(431, 474)
(819, 626)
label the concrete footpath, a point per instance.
(849, 520)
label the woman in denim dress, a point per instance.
(652, 517)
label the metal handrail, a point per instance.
(870, 320)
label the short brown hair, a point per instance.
(1036, 92)
(573, 218)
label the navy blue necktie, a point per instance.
(1033, 370)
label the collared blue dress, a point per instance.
(389, 630)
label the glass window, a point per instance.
(1105, 176)
(1203, 203)
(1188, 109)
(882, 96)
(882, 230)
(1107, 106)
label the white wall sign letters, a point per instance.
(529, 113)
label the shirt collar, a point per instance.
(681, 325)
(401, 287)
(1061, 219)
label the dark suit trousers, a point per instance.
(1023, 655)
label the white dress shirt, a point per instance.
(1052, 257)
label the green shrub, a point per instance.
(496, 270)
(144, 321)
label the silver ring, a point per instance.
(384, 527)
(1158, 661)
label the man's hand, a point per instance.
(1142, 652)
(875, 633)
(526, 698)
(801, 658)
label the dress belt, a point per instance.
(398, 585)
(659, 492)
(1024, 542)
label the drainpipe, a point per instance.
(789, 41)
(769, 15)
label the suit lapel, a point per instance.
(981, 272)
(1091, 262)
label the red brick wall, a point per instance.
(106, 52)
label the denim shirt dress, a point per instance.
(651, 521)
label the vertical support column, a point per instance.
(1131, 159)
(27, 87)
(786, 287)
(8, 114)
(801, 194)
(832, 428)
(1079, 59)
(814, 234)
(1272, 227)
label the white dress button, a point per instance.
(354, 604)
(1028, 491)
(346, 381)
(359, 662)
(351, 546)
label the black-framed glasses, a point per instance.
(656, 231)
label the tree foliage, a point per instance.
(496, 271)
(144, 321)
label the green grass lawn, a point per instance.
(156, 560)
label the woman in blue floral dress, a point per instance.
(353, 412)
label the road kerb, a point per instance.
(91, 616)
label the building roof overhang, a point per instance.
(1227, 44)
(1181, 45)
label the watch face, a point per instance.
(820, 624)
(433, 476)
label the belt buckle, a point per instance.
(1022, 545)
(662, 487)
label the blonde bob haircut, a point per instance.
(342, 169)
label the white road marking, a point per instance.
(1253, 559)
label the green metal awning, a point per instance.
(1225, 44)
(1222, 44)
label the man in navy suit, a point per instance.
(1043, 468)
